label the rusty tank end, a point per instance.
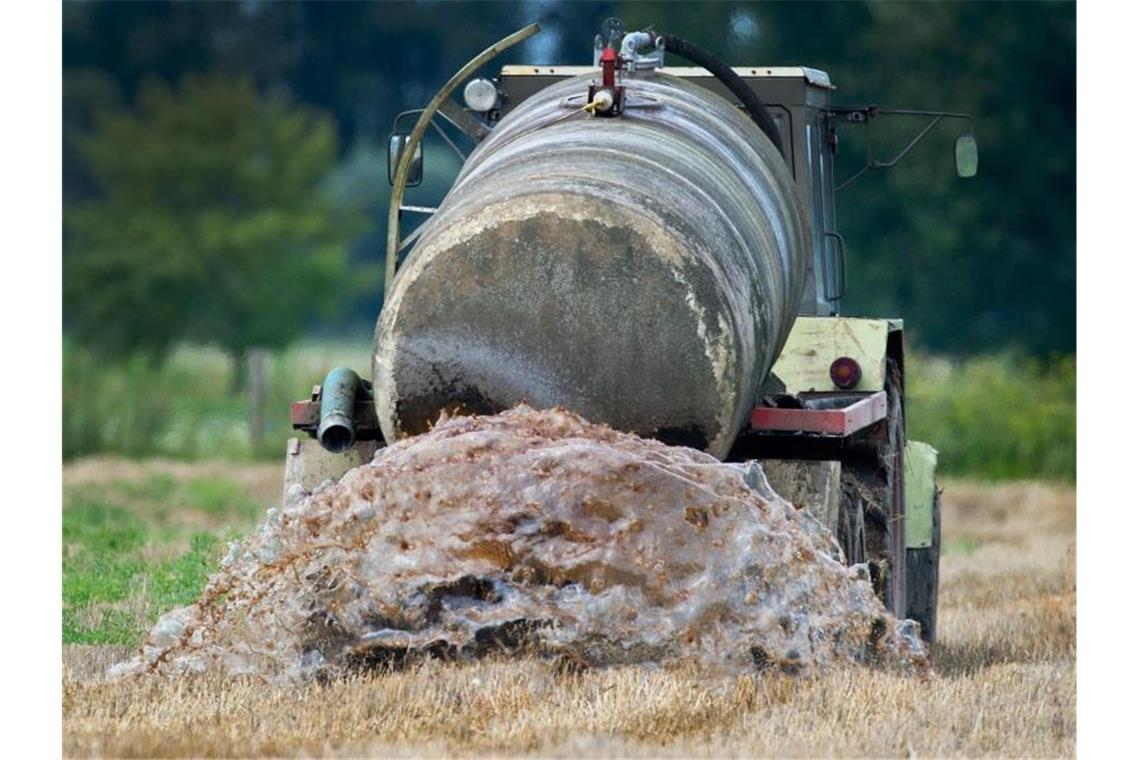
(642, 271)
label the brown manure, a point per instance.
(532, 531)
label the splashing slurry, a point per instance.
(533, 531)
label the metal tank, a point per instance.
(642, 270)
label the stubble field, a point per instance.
(1003, 681)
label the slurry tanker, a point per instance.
(654, 248)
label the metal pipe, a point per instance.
(633, 42)
(337, 432)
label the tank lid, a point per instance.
(813, 77)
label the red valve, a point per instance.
(609, 64)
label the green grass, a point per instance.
(965, 545)
(133, 550)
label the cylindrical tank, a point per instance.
(642, 270)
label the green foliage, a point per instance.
(974, 266)
(182, 407)
(208, 224)
(997, 416)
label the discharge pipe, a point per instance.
(339, 391)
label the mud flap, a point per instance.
(923, 538)
(922, 580)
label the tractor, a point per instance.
(656, 248)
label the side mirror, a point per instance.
(966, 156)
(396, 145)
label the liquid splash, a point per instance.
(533, 531)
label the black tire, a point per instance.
(922, 579)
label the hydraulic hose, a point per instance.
(722, 71)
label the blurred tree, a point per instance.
(86, 91)
(989, 262)
(208, 224)
(974, 265)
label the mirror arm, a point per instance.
(463, 120)
(859, 114)
(435, 125)
(864, 114)
(450, 143)
(910, 146)
(853, 177)
(442, 112)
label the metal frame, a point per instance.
(863, 411)
(864, 115)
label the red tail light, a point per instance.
(845, 373)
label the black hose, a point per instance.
(737, 86)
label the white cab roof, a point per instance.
(813, 76)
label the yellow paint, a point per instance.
(815, 342)
(919, 463)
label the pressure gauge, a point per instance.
(480, 95)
